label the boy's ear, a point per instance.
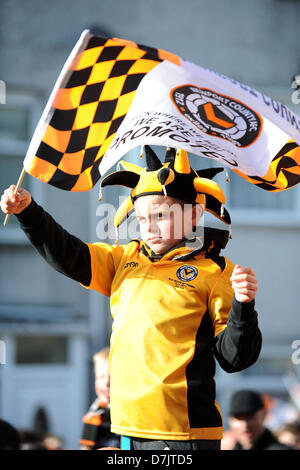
(197, 212)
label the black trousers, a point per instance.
(148, 444)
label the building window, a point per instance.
(41, 350)
(14, 123)
(19, 116)
(244, 195)
(14, 136)
(272, 364)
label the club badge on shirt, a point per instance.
(187, 273)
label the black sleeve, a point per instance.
(238, 345)
(63, 251)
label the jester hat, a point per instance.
(174, 178)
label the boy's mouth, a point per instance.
(154, 239)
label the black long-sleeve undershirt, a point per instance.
(238, 346)
(63, 251)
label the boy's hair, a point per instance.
(181, 202)
(176, 201)
(102, 354)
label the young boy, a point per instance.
(96, 422)
(175, 305)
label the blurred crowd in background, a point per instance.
(247, 431)
(252, 422)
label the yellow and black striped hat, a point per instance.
(174, 178)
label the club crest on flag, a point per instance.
(218, 115)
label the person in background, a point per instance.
(52, 442)
(289, 434)
(247, 414)
(96, 431)
(10, 438)
(228, 440)
(31, 440)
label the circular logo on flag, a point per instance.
(187, 273)
(218, 115)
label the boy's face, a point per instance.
(164, 222)
(102, 381)
(247, 428)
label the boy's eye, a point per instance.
(159, 216)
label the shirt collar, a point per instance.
(214, 241)
(182, 251)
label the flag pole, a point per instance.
(21, 177)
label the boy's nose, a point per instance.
(151, 226)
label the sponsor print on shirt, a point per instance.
(131, 264)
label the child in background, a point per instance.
(96, 431)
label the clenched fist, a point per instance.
(12, 203)
(244, 283)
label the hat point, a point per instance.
(181, 164)
(152, 160)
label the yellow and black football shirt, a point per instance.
(172, 317)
